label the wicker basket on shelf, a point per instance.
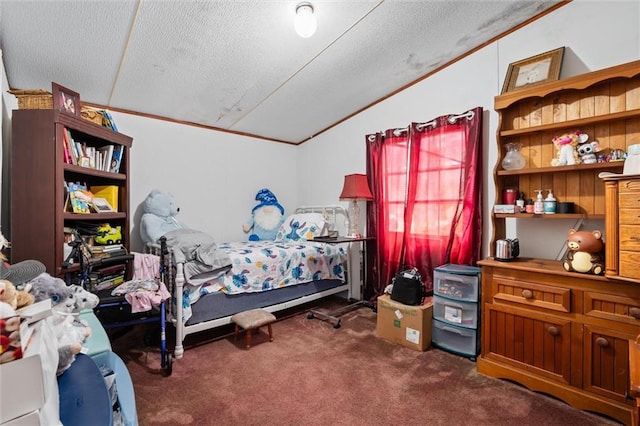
(91, 114)
(33, 99)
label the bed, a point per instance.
(273, 275)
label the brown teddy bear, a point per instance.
(8, 293)
(14, 297)
(585, 252)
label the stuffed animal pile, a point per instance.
(25, 283)
(10, 338)
(67, 302)
(587, 152)
(566, 146)
(14, 297)
(158, 218)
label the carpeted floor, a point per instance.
(313, 374)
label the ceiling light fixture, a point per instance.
(305, 22)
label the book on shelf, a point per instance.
(117, 159)
(106, 248)
(112, 248)
(90, 153)
(98, 256)
(80, 198)
(67, 199)
(70, 146)
(104, 271)
(101, 205)
(108, 282)
(107, 154)
(66, 150)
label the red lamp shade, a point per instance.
(356, 187)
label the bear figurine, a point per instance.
(585, 252)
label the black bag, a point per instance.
(407, 288)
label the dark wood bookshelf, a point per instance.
(37, 175)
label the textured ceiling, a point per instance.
(239, 65)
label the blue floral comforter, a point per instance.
(267, 265)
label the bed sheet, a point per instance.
(268, 265)
(259, 266)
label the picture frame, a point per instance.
(66, 100)
(101, 205)
(535, 70)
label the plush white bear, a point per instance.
(83, 299)
(158, 218)
(70, 332)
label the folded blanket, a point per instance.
(199, 253)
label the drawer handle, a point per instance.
(635, 313)
(452, 330)
(602, 342)
(527, 294)
(553, 330)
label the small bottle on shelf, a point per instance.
(550, 203)
(538, 206)
(520, 203)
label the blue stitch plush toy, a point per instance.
(160, 210)
(266, 217)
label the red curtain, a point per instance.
(427, 186)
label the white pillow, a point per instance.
(302, 226)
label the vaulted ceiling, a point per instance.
(239, 65)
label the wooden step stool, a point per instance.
(253, 320)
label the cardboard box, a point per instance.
(406, 325)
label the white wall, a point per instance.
(215, 175)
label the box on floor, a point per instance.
(406, 325)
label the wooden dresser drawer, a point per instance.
(612, 307)
(630, 186)
(629, 238)
(629, 216)
(532, 294)
(629, 264)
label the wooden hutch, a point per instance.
(567, 334)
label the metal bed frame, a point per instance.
(175, 283)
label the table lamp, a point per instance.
(356, 188)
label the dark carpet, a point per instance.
(313, 374)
